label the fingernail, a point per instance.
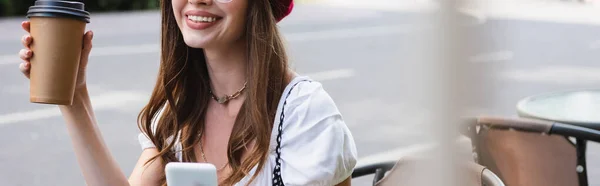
(91, 34)
(29, 52)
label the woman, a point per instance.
(224, 95)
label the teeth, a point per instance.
(201, 19)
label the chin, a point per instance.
(196, 42)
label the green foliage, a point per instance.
(4, 10)
(14, 7)
(20, 7)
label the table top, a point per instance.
(571, 107)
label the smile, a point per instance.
(202, 19)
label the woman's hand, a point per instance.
(26, 54)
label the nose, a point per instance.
(200, 2)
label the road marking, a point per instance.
(125, 50)
(538, 10)
(351, 33)
(595, 45)
(97, 52)
(9, 59)
(332, 74)
(118, 99)
(388, 5)
(543, 11)
(102, 102)
(497, 56)
(570, 75)
(464, 145)
(479, 16)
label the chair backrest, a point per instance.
(414, 171)
(523, 155)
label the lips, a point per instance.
(200, 20)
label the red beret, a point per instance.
(282, 8)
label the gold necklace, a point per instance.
(226, 98)
(204, 158)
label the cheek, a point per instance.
(237, 25)
(177, 8)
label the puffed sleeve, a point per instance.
(317, 147)
(143, 139)
(145, 142)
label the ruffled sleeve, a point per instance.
(146, 143)
(317, 147)
(143, 139)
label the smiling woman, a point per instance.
(226, 96)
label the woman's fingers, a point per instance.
(25, 25)
(87, 43)
(26, 40)
(87, 48)
(24, 67)
(25, 54)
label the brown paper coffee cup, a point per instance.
(57, 48)
(57, 29)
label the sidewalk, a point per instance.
(565, 11)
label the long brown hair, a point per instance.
(182, 93)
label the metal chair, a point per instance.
(404, 171)
(531, 152)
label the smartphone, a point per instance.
(191, 174)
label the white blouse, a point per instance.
(317, 147)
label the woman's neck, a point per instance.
(226, 69)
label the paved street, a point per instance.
(359, 53)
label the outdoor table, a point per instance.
(577, 107)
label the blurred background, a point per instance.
(369, 55)
(19, 7)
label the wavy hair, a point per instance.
(178, 103)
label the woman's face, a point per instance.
(210, 23)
